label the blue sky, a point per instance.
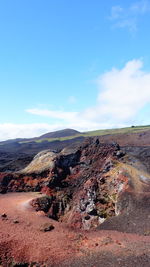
(70, 63)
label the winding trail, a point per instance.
(25, 242)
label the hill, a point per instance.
(61, 133)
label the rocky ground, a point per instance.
(26, 241)
(93, 209)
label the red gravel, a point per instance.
(24, 242)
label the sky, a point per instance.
(73, 64)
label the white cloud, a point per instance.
(116, 12)
(122, 94)
(62, 115)
(140, 7)
(128, 17)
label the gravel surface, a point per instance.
(26, 242)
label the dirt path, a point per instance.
(22, 241)
(25, 240)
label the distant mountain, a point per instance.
(56, 134)
(61, 133)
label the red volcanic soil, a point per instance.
(22, 240)
(25, 241)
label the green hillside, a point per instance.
(132, 129)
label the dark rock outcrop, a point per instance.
(84, 186)
(78, 189)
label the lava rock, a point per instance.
(120, 154)
(15, 221)
(47, 228)
(4, 215)
(87, 217)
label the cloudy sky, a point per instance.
(73, 64)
